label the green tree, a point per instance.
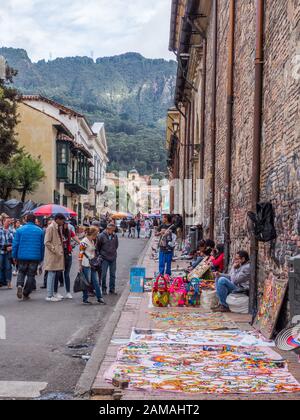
(8, 116)
(8, 180)
(30, 173)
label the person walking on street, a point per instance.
(54, 254)
(124, 227)
(107, 246)
(68, 235)
(138, 227)
(28, 252)
(86, 254)
(6, 241)
(132, 226)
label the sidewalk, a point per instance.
(136, 314)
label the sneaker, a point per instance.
(26, 298)
(86, 302)
(101, 302)
(52, 299)
(20, 292)
(68, 296)
(58, 296)
(113, 292)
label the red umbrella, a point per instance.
(52, 210)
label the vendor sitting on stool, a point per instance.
(238, 280)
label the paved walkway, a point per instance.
(45, 342)
(136, 314)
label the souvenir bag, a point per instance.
(193, 293)
(177, 293)
(160, 292)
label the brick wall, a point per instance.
(280, 177)
(280, 169)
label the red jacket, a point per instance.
(218, 262)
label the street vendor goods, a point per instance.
(186, 319)
(270, 305)
(200, 337)
(200, 270)
(202, 369)
(177, 293)
(160, 292)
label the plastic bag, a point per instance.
(81, 284)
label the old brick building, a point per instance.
(237, 95)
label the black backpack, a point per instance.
(263, 222)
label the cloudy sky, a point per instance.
(86, 27)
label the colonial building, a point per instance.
(74, 155)
(237, 96)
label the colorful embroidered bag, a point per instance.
(193, 293)
(177, 293)
(160, 292)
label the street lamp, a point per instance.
(175, 125)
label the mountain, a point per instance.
(130, 93)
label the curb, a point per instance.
(85, 383)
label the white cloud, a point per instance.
(76, 27)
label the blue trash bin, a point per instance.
(137, 279)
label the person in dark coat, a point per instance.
(107, 247)
(28, 253)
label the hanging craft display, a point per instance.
(187, 319)
(202, 370)
(270, 305)
(200, 337)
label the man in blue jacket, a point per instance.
(28, 251)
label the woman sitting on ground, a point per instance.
(238, 280)
(217, 259)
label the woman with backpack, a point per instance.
(86, 254)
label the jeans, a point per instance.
(224, 288)
(165, 263)
(5, 269)
(92, 277)
(139, 232)
(65, 275)
(50, 283)
(27, 269)
(112, 265)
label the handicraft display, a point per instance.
(202, 370)
(270, 305)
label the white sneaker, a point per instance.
(58, 296)
(68, 296)
(53, 299)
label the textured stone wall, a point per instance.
(280, 166)
(280, 177)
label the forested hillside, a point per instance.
(130, 93)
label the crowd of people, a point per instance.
(30, 246)
(33, 246)
(237, 280)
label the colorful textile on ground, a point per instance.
(200, 337)
(192, 320)
(202, 370)
(270, 305)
